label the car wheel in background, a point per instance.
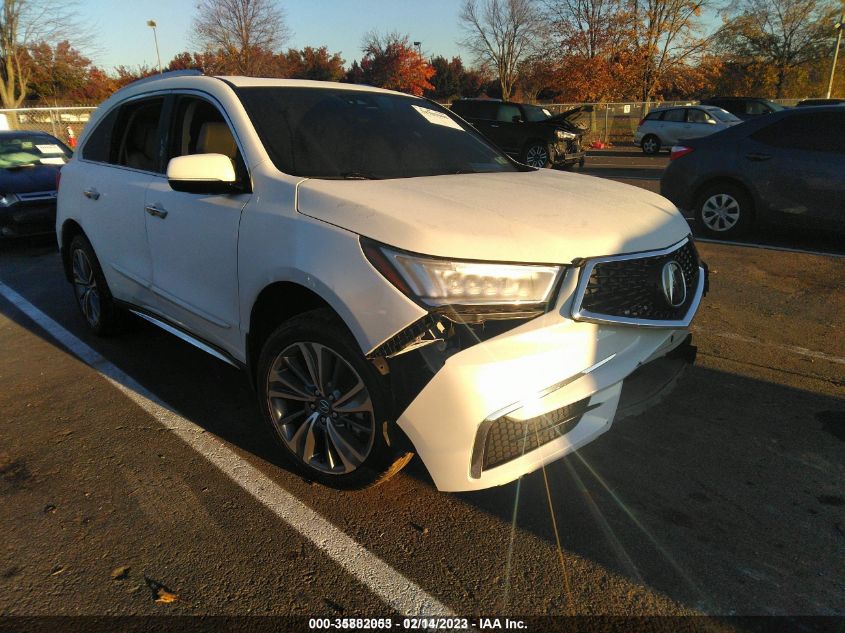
(724, 210)
(93, 297)
(650, 145)
(327, 405)
(536, 154)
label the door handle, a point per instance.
(494, 126)
(91, 194)
(155, 211)
(758, 157)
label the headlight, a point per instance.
(8, 199)
(564, 135)
(465, 288)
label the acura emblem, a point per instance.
(674, 284)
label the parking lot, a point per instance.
(137, 478)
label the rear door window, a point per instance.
(674, 116)
(507, 112)
(694, 115)
(136, 141)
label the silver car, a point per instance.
(661, 129)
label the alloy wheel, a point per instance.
(85, 287)
(650, 145)
(720, 212)
(321, 408)
(537, 156)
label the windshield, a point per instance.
(536, 113)
(26, 150)
(723, 115)
(356, 134)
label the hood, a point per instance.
(572, 116)
(542, 216)
(28, 179)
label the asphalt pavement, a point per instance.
(137, 478)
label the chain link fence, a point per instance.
(616, 123)
(65, 123)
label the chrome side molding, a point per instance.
(208, 349)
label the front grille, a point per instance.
(632, 288)
(503, 439)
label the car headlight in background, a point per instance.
(8, 199)
(469, 291)
(563, 135)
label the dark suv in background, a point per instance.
(528, 133)
(744, 107)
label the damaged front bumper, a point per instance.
(501, 408)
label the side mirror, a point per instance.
(516, 119)
(711, 121)
(203, 173)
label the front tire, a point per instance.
(93, 297)
(650, 145)
(724, 210)
(536, 154)
(328, 407)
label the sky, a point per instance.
(121, 35)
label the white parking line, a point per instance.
(397, 591)
(790, 349)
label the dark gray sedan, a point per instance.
(29, 167)
(787, 168)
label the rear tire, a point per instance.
(724, 210)
(650, 145)
(93, 297)
(327, 406)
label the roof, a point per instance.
(188, 78)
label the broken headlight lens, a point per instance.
(463, 287)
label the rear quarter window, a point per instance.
(98, 146)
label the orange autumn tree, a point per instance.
(391, 62)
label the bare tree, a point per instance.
(501, 34)
(243, 30)
(782, 34)
(23, 24)
(589, 28)
(668, 34)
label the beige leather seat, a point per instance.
(215, 138)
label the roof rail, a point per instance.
(167, 75)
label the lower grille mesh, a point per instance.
(505, 439)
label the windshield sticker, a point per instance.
(52, 161)
(438, 118)
(50, 149)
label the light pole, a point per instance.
(152, 25)
(419, 48)
(838, 26)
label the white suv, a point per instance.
(392, 282)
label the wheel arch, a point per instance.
(712, 181)
(276, 303)
(70, 229)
